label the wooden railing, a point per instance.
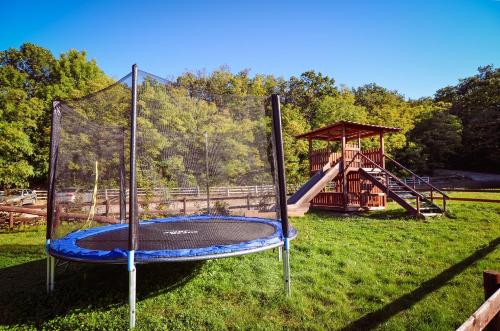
(487, 317)
(180, 191)
(388, 175)
(432, 189)
(373, 154)
(318, 158)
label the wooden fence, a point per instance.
(241, 202)
(227, 191)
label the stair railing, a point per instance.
(393, 177)
(415, 176)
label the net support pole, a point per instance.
(131, 288)
(133, 219)
(53, 152)
(123, 194)
(280, 171)
(207, 169)
(51, 272)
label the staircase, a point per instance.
(414, 202)
(427, 207)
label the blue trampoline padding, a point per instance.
(67, 247)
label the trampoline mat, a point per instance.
(181, 235)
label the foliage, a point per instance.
(440, 136)
(388, 108)
(434, 131)
(223, 82)
(296, 150)
(476, 102)
(340, 108)
(307, 92)
(435, 141)
(30, 78)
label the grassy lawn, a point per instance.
(475, 195)
(380, 271)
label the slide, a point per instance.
(313, 186)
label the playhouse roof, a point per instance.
(353, 130)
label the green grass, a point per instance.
(380, 271)
(476, 195)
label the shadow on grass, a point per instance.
(386, 214)
(374, 319)
(81, 287)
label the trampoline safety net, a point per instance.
(197, 154)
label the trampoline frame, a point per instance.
(69, 243)
(133, 226)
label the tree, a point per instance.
(388, 108)
(476, 101)
(24, 76)
(307, 92)
(435, 141)
(341, 107)
(441, 137)
(296, 150)
(30, 78)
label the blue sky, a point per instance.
(414, 46)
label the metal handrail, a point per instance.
(417, 176)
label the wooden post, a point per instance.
(344, 174)
(11, 220)
(491, 283)
(382, 149)
(444, 203)
(184, 207)
(107, 207)
(248, 201)
(432, 197)
(57, 216)
(310, 155)
(418, 205)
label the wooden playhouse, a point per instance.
(344, 177)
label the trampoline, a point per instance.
(144, 147)
(173, 239)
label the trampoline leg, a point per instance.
(131, 289)
(286, 266)
(51, 270)
(280, 253)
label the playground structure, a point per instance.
(352, 179)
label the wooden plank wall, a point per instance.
(361, 192)
(318, 158)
